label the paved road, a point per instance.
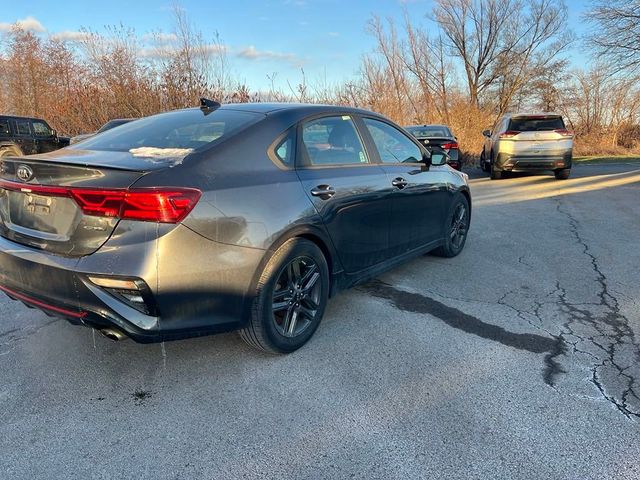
(517, 359)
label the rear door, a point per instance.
(346, 188)
(420, 195)
(23, 135)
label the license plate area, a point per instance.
(38, 204)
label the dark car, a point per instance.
(439, 136)
(116, 122)
(246, 216)
(27, 136)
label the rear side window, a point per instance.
(4, 127)
(393, 145)
(22, 127)
(333, 141)
(284, 151)
(535, 124)
(186, 130)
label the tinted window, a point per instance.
(183, 129)
(41, 129)
(113, 123)
(284, 150)
(430, 131)
(392, 144)
(22, 127)
(535, 124)
(4, 127)
(333, 141)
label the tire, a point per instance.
(562, 174)
(460, 223)
(483, 163)
(299, 308)
(10, 151)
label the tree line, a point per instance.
(485, 58)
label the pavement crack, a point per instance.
(612, 335)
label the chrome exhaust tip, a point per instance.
(113, 334)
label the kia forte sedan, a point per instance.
(237, 217)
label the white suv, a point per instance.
(528, 143)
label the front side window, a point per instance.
(41, 129)
(22, 127)
(333, 141)
(393, 145)
(4, 127)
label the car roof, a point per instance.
(22, 118)
(301, 108)
(436, 125)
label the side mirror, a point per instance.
(438, 157)
(54, 132)
(487, 133)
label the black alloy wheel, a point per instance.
(290, 299)
(456, 228)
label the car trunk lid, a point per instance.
(38, 206)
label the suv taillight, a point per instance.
(509, 134)
(564, 132)
(450, 146)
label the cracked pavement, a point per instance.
(516, 359)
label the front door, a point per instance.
(347, 190)
(420, 195)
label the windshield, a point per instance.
(114, 123)
(182, 129)
(536, 124)
(430, 131)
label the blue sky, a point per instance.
(325, 37)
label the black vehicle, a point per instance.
(438, 136)
(244, 216)
(116, 122)
(27, 136)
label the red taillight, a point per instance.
(163, 205)
(450, 146)
(159, 205)
(509, 134)
(564, 132)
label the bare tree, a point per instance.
(616, 37)
(499, 41)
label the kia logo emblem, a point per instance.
(24, 173)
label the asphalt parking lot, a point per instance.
(517, 359)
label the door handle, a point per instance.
(323, 191)
(399, 182)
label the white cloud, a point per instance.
(160, 37)
(334, 34)
(29, 24)
(166, 51)
(71, 36)
(252, 53)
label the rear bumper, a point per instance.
(197, 286)
(530, 163)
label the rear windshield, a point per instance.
(535, 124)
(187, 130)
(429, 131)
